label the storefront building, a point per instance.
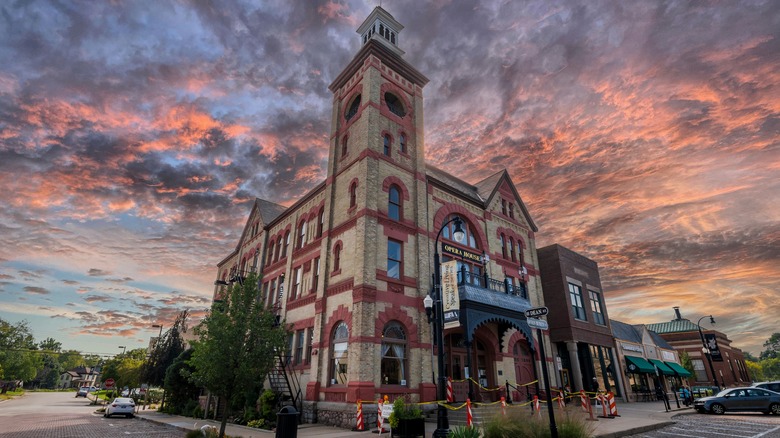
(579, 321)
(648, 363)
(349, 264)
(727, 361)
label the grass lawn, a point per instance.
(11, 394)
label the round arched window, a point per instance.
(353, 108)
(394, 104)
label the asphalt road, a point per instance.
(742, 425)
(61, 415)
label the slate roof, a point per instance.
(659, 341)
(625, 332)
(269, 210)
(674, 326)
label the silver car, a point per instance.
(120, 406)
(740, 399)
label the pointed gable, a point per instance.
(501, 181)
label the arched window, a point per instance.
(512, 248)
(320, 222)
(302, 234)
(512, 211)
(286, 243)
(402, 142)
(471, 240)
(503, 246)
(393, 366)
(279, 243)
(386, 143)
(338, 369)
(344, 143)
(270, 252)
(503, 207)
(394, 203)
(353, 194)
(353, 108)
(394, 104)
(337, 257)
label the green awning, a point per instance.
(665, 370)
(678, 369)
(638, 365)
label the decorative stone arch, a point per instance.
(395, 314)
(394, 180)
(389, 87)
(449, 209)
(341, 313)
(510, 339)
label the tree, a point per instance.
(237, 344)
(17, 360)
(755, 371)
(178, 387)
(70, 359)
(771, 347)
(686, 362)
(165, 351)
(49, 344)
(771, 368)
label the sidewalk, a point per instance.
(634, 418)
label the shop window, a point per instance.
(338, 368)
(393, 367)
(394, 203)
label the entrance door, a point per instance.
(524, 372)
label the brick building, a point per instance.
(727, 361)
(579, 321)
(348, 265)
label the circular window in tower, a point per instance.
(394, 104)
(353, 108)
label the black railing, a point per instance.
(481, 280)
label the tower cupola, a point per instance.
(382, 27)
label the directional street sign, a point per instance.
(535, 312)
(537, 323)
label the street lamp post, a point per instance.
(442, 422)
(705, 350)
(124, 349)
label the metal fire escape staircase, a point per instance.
(284, 382)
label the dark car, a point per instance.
(740, 400)
(772, 386)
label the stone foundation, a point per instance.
(342, 415)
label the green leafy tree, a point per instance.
(755, 371)
(50, 344)
(18, 361)
(771, 347)
(771, 368)
(165, 351)
(70, 359)
(129, 371)
(181, 391)
(237, 344)
(686, 362)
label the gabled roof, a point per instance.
(268, 210)
(482, 192)
(659, 341)
(674, 326)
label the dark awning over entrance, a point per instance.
(678, 369)
(665, 370)
(638, 365)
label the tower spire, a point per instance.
(382, 27)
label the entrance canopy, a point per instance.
(678, 369)
(638, 365)
(662, 368)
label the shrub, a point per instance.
(403, 411)
(464, 432)
(570, 424)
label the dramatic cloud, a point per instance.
(135, 135)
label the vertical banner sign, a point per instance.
(712, 344)
(449, 294)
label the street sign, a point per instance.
(537, 323)
(536, 311)
(109, 383)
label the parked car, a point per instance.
(740, 399)
(82, 392)
(120, 406)
(772, 386)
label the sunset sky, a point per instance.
(134, 136)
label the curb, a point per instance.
(636, 430)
